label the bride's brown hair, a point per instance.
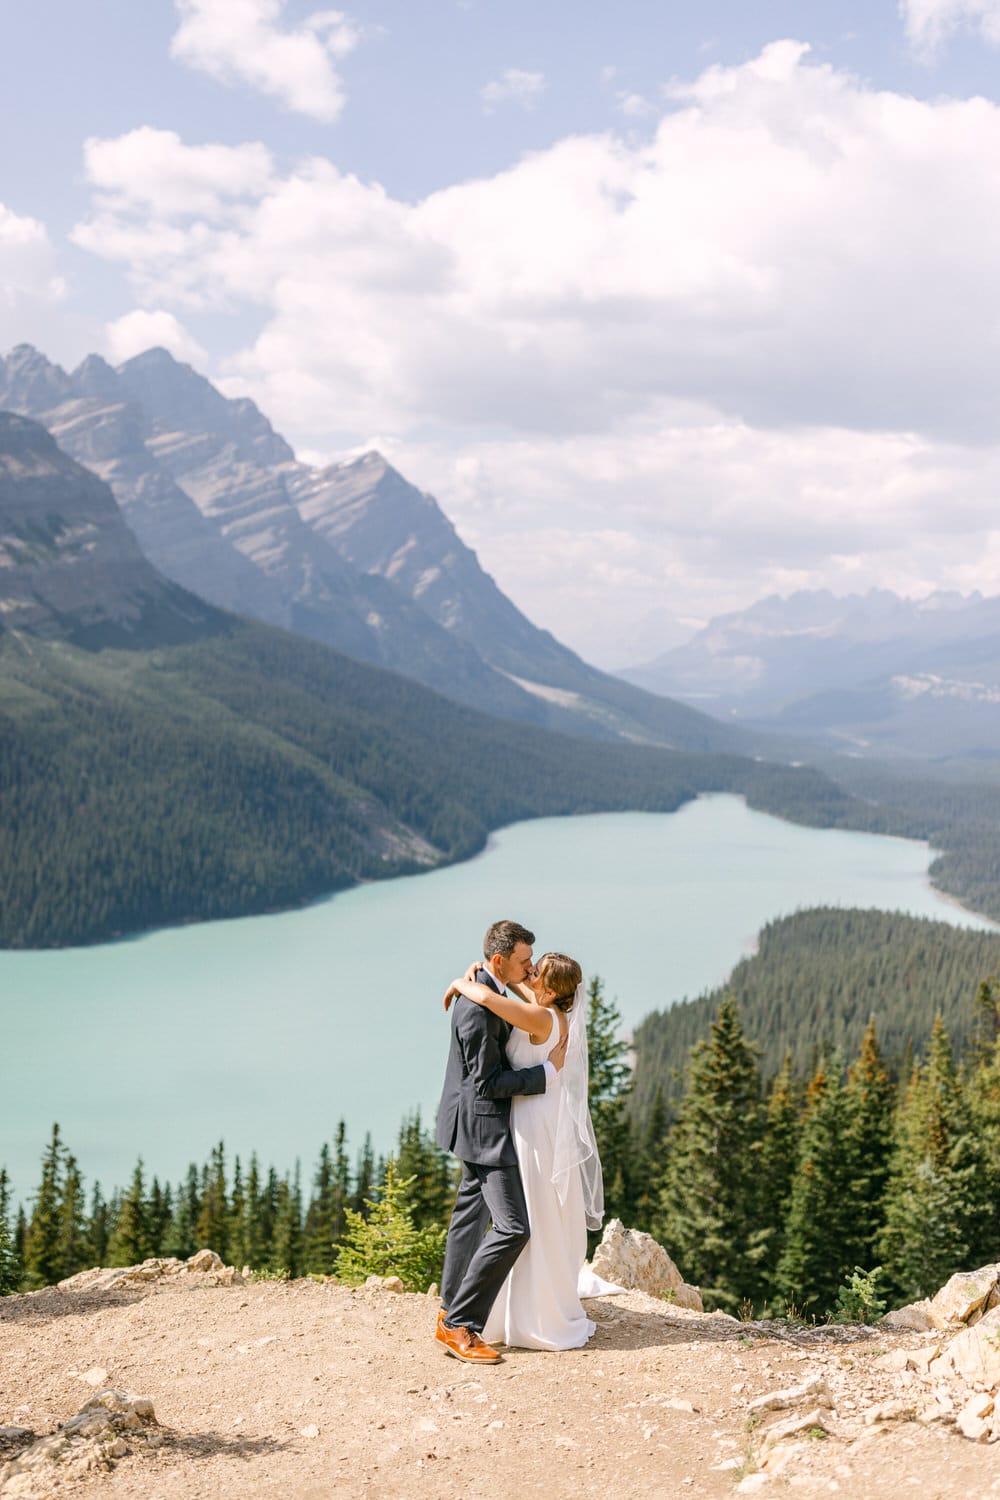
(562, 975)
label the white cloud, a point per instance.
(29, 278)
(690, 514)
(27, 260)
(929, 23)
(763, 341)
(147, 329)
(153, 170)
(514, 86)
(244, 40)
(635, 106)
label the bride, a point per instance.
(539, 1304)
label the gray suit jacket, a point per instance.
(474, 1115)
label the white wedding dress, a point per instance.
(539, 1304)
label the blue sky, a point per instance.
(671, 306)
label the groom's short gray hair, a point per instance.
(503, 938)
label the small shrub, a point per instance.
(858, 1299)
(388, 1243)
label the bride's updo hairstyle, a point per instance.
(560, 974)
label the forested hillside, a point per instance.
(817, 979)
(955, 807)
(253, 770)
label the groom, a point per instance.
(474, 1124)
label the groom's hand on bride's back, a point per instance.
(558, 1054)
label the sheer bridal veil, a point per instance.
(576, 1144)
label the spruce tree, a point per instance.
(180, 1236)
(318, 1234)
(212, 1225)
(287, 1249)
(819, 1248)
(237, 1216)
(10, 1268)
(649, 1156)
(129, 1241)
(935, 1195)
(364, 1179)
(610, 1087)
(98, 1229)
(342, 1176)
(871, 1106)
(430, 1171)
(42, 1246)
(21, 1238)
(983, 1091)
(778, 1154)
(388, 1243)
(255, 1231)
(73, 1235)
(708, 1210)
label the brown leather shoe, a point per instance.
(464, 1344)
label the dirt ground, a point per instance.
(308, 1390)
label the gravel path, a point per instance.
(306, 1390)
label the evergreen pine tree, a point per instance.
(610, 1086)
(934, 1195)
(98, 1229)
(650, 1164)
(159, 1216)
(429, 1169)
(983, 1091)
(318, 1247)
(342, 1177)
(778, 1155)
(819, 1230)
(42, 1246)
(236, 1228)
(871, 1105)
(211, 1228)
(180, 1236)
(73, 1236)
(21, 1238)
(10, 1267)
(256, 1231)
(388, 1243)
(986, 1025)
(364, 1179)
(129, 1240)
(287, 1249)
(708, 1210)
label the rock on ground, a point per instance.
(633, 1259)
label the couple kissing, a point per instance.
(514, 1112)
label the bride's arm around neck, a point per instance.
(526, 1015)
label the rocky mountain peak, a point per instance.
(28, 379)
(70, 568)
(95, 378)
(177, 399)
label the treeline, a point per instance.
(248, 1215)
(829, 1193)
(255, 770)
(816, 980)
(955, 808)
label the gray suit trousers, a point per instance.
(476, 1262)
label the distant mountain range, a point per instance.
(352, 555)
(163, 760)
(870, 674)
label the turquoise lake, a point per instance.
(265, 1031)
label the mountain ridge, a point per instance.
(858, 672)
(221, 506)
